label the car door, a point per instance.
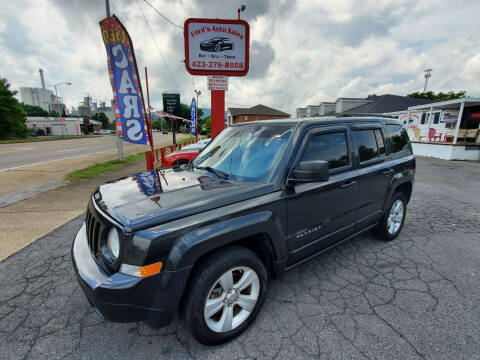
(374, 172)
(322, 213)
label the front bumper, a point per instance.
(124, 298)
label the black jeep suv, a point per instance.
(259, 199)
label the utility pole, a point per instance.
(428, 75)
(119, 141)
(198, 93)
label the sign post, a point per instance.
(217, 47)
(119, 141)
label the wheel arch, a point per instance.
(406, 189)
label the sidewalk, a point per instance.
(23, 222)
(28, 220)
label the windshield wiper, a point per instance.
(219, 173)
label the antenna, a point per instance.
(428, 75)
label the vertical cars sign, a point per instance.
(131, 120)
(217, 47)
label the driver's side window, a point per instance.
(330, 147)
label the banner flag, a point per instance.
(130, 114)
(170, 116)
(193, 117)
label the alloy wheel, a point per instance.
(395, 217)
(231, 299)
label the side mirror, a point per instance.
(310, 171)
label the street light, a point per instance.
(56, 95)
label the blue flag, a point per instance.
(193, 117)
(131, 119)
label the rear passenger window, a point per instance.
(331, 147)
(398, 139)
(367, 145)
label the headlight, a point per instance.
(113, 243)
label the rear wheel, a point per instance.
(393, 220)
(225, 295)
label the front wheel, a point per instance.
(393, 220)
(225, 295)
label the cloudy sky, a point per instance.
(302, 52)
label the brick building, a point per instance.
(257, 112)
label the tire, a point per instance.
(386, 230)
(217, 48)
(207, 285)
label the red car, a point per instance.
(185, 155)
(180, 157)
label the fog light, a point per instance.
(141, 271)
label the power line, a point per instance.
(158, 48)
(163, 16)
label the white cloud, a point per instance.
(304, 52)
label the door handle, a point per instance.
(386, 172)
(349, 184)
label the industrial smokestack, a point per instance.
(45, 104)
(41, 78)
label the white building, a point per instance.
(56, 126)
(37, 97)
(447, 130)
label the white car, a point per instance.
(198, 145)
(104, 132)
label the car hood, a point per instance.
(155, 197)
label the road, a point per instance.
(19, 155)
(416, 297)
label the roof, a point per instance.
(448, 103)
(331, 120)
(385, 104)
(257, 110)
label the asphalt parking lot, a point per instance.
(415, 297)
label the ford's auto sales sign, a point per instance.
(217, 47)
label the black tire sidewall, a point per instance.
(196, 321)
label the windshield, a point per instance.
(245, 153)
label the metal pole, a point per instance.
(149, 112)
(196, 119)
(459, 120)
(119, 141)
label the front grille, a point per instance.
(96, 229)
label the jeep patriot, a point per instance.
(259, 199)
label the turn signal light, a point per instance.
(141, 271)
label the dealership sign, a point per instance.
(217, 82)
(131, 121)
(217, 47)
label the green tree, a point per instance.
(33, 110)
(102, 117)
(12, 115)
(441, 96)
(371, 96)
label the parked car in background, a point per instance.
(164, 131)
(103, 132)
(260, 199)
(187, 153)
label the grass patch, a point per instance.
(51, 138)
(100, 168)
